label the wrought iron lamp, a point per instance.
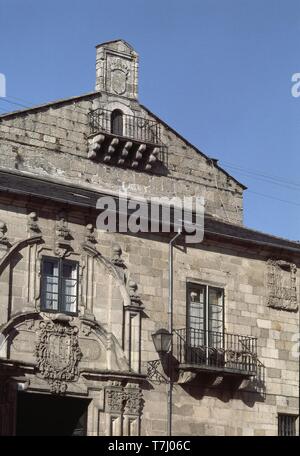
(162, 341)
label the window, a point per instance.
(205, 316)
(287, 425)
(117, 122)
(59, 285)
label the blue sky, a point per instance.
(218, 71)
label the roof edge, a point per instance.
(115, 41)
(49, 104)
(245, 236)
(98, 93)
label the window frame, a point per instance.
(61, 262)
(295, 424)
(192, 285)
(117, 120)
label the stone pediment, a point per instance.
(61, 348)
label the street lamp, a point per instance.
(162, 341)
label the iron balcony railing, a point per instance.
(216, 351)
(137, 128)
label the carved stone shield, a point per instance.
(118, 81)
(281, 285)
(59, 350)
(58, 354)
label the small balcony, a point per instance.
(214, 352)
(123, 140)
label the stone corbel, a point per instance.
(95, 145)
(111, 150)
(138, 155)
(152, 158)
(125, 153)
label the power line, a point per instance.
(21, 100)
(274, 198)
(259, 174)
(13, 102)
(268, 181)
(33, 105)
(250, 173)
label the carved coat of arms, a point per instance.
(58, 354)
(281, 284)
(119, 75)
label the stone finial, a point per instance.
(117, 256)
(62, 230)
(134, 296)
(62, 235)
(4, 242)
(32, 225)
(90, 237)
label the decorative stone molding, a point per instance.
(17, 247)
(58, 353)
(281, 285)
(119, 399)
(134, 399)
(32, 225)
(111, 269)
(62, 236)
(114, 398)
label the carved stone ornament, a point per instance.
(281, 285)
(90, 236)
(134, 400)
(62, 236)
(134, 296)
(119, 75)
(58, 354)
(4, 242)
(115, 397)
(117, 256)
(119, 399)
(32, 225)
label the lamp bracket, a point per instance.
(154, 374)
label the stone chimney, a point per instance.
(117, 69)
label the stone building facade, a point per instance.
(79, 306)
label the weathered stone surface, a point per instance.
(116, 319)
